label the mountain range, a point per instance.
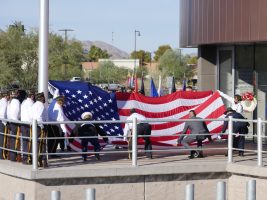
(113, 51)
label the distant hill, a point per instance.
(113, 51)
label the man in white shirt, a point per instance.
(39, 113)
(26, 116)
(3, 115)
(55, 113)
(142, 129)
(13, 113)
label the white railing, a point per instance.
(134, 151)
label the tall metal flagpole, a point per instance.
(43, 47)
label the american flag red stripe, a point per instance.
(173, 106)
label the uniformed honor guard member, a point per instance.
(13, 113)
(142, 129)
(55, 113)
(89, 129)
(39, 113)
(3, 115)
(26, 116)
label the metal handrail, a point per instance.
(134, 151)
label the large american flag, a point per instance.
(173, 106)
(81, 97)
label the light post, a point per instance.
(136, 33)
(65, 41)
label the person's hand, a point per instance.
(219, 92)
(237, 135)
(219, 137)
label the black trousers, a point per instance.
(143, 129)
(2, 131)
(26, 142)
(13, 129)
(53, 131)
(93, 141)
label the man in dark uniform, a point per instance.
(196, 127)
(3, 115)
(239, 128)
(88, 129)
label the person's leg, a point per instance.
(25, 132)
(12, 141)
(148, 145)
(97, 147)
(2, 131)
(84, 148)
(186, 141)
(241, 145)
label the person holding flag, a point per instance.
(89, 129)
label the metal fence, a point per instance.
(34, 139)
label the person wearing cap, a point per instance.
(235, 102)
(198, 130)
(13, 113)
(26, 116)
(89, 129)
(39, 113)
(142, 129)
(3, 115)
(55, 113)
(239, 129)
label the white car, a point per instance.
(75, 79)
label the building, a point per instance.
(231, 38)
(125, 63)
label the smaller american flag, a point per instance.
(81, 97)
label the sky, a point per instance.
(102, 20)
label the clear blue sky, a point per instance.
(95, 20)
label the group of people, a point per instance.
(20, 105)
(200, 132)
(27, 106)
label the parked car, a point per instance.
(75, 79)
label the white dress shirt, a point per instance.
(128, 126)
(56, 114)
(26, 110)
(13, 110)
(39, 112)
(3, 108)
(235, 106)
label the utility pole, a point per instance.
(138, 34)
(66, 40)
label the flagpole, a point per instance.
(43, 47)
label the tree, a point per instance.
(172, 63)
(64, 58)
(161, 50)
(96, 53)
(143, 56)
(142, 70)
(18, 57)
(107, 72)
